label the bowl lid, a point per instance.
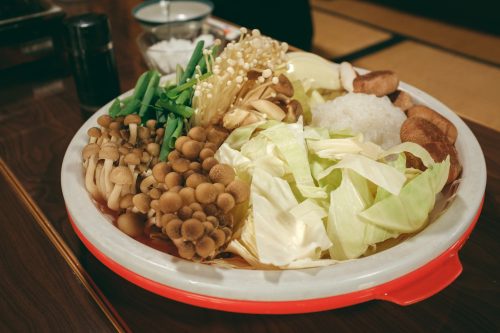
(155, 12)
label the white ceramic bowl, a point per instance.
(408, 272)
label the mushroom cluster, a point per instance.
(187, 199)
(263, 97)
(118, 153)
(237, 64)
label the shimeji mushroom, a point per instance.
(109, 153)
(120, 176)
(89, 154)
(94, 134)
(141, 203)
(132, 120)
(130, 223)
(132, 160)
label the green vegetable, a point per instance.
(180, 110)
(131, 107)
(115, 108)
(184, 97)
(150, 91)
(408, 211)
(178, 73)
(141, 85)
(170, 127)
(193, 61)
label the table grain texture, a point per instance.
(39, 115)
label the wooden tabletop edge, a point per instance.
(62, 247)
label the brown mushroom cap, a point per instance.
(173, 179)
(187, 195)
(90, 150)
(141, 202)
(206, 153)
(131, 159)
(191, 149)
(121, 175)
(132, 119)
(206, 193)
(199, 215)
(94, 132)
(196, 207)
(116, 126)
(219, 237)
(192, 229)
(212, 219)
(210, 209)
(195, 166)
(153, 149)
(196, 179)
(173, 229)
(198, 133)
(180, 165)
(126, 201)
(180, 142)
(130, 223)
(239, 190)
(154, 193)
(186, 250)
(151, 124)
(185, 212)
(104, 120)
(209, 163)
(109, 153)
(205, 247)
(439, 151)
(225, 202)
(222, 173)
(209, 227)
(160, 171)
(220, 187)
(170, 202)
(166, 218)
(173, 155)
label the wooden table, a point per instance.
(64, 288)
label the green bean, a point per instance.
(195, 57)
(180, 110)
(178, 73)
(170, 127)
(174, 93)
(141, 85)
(150, 91)
(115, 108)
(130, 108)
(184, 97)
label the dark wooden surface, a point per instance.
(39, 114)
(38, 290)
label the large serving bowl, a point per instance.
(411, 271)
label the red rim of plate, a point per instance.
(404, 290)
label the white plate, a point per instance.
(288, 285)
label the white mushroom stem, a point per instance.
(108, 166)
(89, 177)
(99, 179)
(133, 133)
(158, 218)
(114, 197)
(151, 212)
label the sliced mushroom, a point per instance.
(284, 86)
(268, 108)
